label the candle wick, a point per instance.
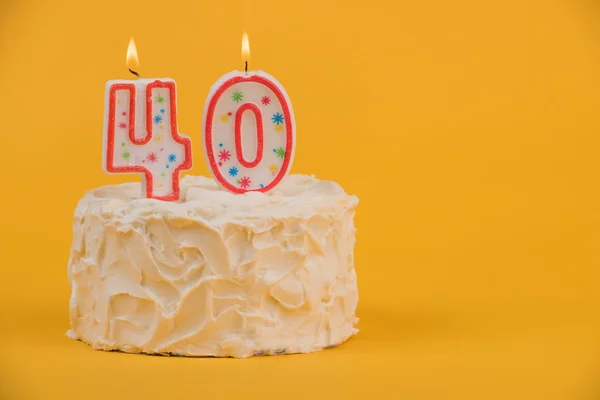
(246, 69)
(135, 73)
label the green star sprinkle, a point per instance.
(280, 152)
(126, 155)
(159, 99)
(237, 96)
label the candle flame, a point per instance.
(132, 61)
(245, 47)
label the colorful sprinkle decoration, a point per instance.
(237, 96)
(245, 182)
(224, 155)
(277, 118)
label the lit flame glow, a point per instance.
(245, 47)
(132, 61)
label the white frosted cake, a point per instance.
(217, 273)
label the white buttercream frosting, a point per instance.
(216, 274)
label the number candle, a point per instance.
(249, 130)
(140, 133)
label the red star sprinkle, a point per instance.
(245, 182)
(152, 157)
(224, 155)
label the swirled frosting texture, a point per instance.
(216, 274)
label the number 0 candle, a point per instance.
(140, 133)
(249, 130)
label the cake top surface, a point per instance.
(297, 195)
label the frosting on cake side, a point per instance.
(217, 274)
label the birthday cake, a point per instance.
(215, 273)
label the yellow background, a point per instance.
(469, 130)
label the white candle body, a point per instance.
(249, 132)
(141, 136)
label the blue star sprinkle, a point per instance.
(277, 118)
(233, 171)
(157, 119)
(172, 157)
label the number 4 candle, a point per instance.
(249, 130)
(140, 133)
